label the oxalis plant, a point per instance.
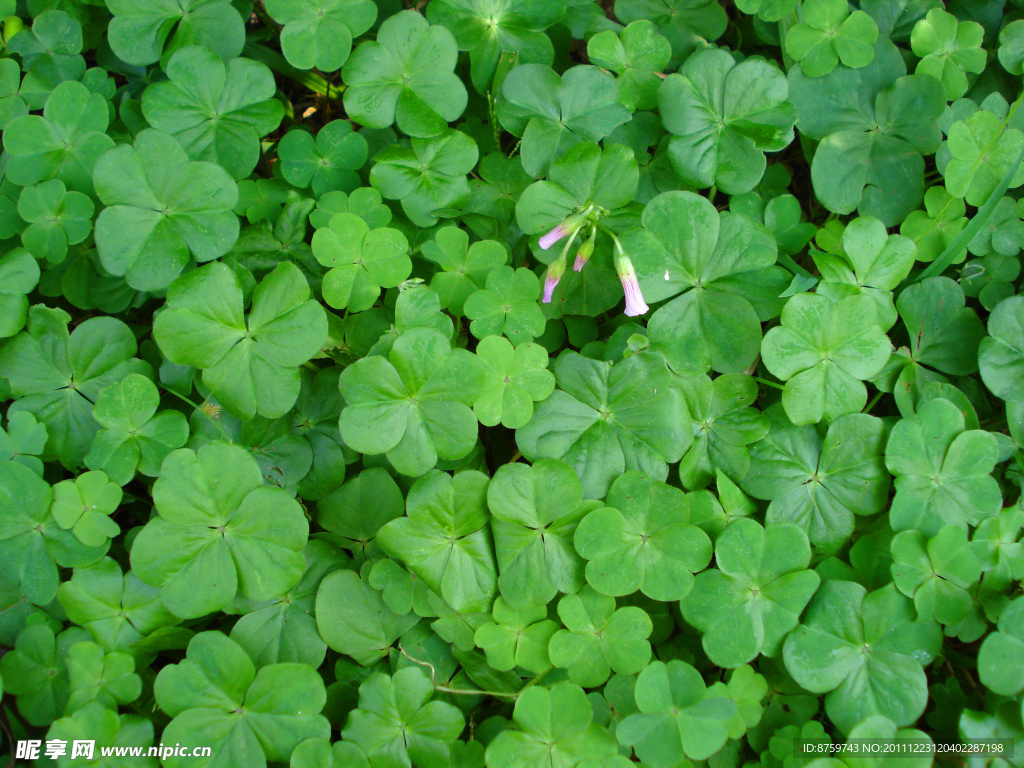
(511, 383)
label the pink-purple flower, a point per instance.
(553, 236)
(635, 304)
(570, 226)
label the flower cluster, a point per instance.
(571, 228)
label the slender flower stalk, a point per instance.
(586, 251)
(570, 226)
(635, 304)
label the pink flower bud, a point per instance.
(583, 254)
(555, 271)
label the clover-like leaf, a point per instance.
(724, 267)
(507, 306)
(23, 441)
(677, 716)
(64, 142)
(641, 541)
(599, 638)
(32, 545)
(50, 52)
(936, 572)
(353, 618)
(405, 77)
(875, 126)
(161, 211)
(555, 727)
(94, 722)
(361, 261)
(35, 671)
(748, 604)
(140, 28)
(1011, 47)
(516, 378)
(1000, 656)
(517, 637)
(724, 425)
(1001, 354)
(982, 151)
(444, 538)
(536, 510)
(552, 112)
(943, 472)
(935, 228)
(944, 333)
(319, 33)
(327, 163)
(353, 514)
(56, 219)
(365, 202)
(117, 609)
(686, 23)
(19, 275)
(428, 176)
(637, 55)
(134, 436)
(871, 263)
(828, 34)
(489, 29)
(820, 484)
(203, 326)
(58, 376)
(414, 405)
(724, 116)
(283, 629)
(248, 717)
(84, 506)
(824, 350)
(866, 651)
(606, 418)
(217, 112)
(218, 532)
(464, 267)
(108, 678)
(396, 723)
(948, 49)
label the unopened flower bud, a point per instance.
(584, 253)
(555, 271)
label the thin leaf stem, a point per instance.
(873, 402)
(767, 383)
(447, 689)
(199, 408)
